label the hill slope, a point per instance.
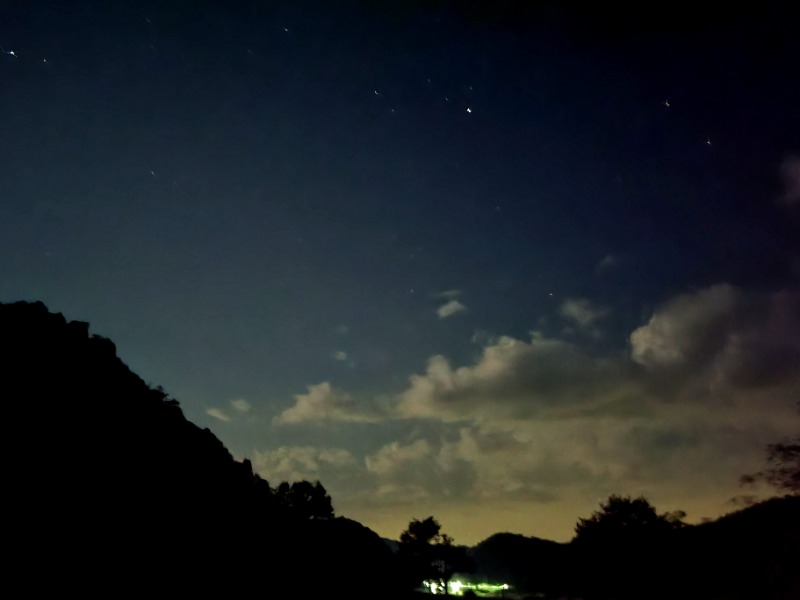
(108, 486)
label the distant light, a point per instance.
(457, 587)
(469, 110)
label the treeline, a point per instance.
(626, 550)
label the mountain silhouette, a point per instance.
(525, 563)
(109, 488)
(750, 553)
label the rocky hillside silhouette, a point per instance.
(110, 488)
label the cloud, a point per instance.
(510, 463)
(582, 312)
(725, 336)
(218, 414)
(678, 415)
(295, 463)
(324, 403)
(394, 458)
(450, 308)
(713, 344)
(687, 326)
(790, 175)
(414, 470)
(340, 355)
(514, 379)
(607, 263)
(241, 405)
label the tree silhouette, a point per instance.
(305, 500)
(783, 466)
(627, 519)
(428, 554)
(616, 547)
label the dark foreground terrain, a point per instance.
(109, 489)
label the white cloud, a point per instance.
(402, 472)
(544, 428)
(790, 174)
(724, 336)
(395, 457)
(514, 379)
(295, 463)
(340, 355)
(450, 308)
(706, 363)
(218, 414)
(582, 312)
(241, 405)
(686, 325)
(324, 403)
(717, 342)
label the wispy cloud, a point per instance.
(582, 312)
(450, 308)
(218, 414)
(241, 405)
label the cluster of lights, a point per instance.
(457, 588)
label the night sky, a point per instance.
(490, 262)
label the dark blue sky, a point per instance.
(284, 212)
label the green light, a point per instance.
(457, 587)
